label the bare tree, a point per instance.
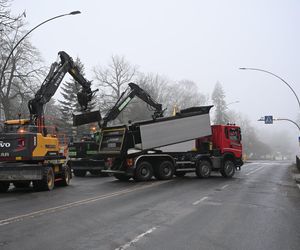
(181, 94)
(112, 80)
(6, 19)
(22, 73)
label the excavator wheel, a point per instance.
(47, 182)
(4, 187)
(66, 176)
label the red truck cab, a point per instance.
(227, 139)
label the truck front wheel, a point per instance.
(164, 171)
(203, 169)
(143, 171)
(228, 169)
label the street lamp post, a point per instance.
(48, 20)
(268, 72)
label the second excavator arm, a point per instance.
(125, 98)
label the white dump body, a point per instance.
(177, 130)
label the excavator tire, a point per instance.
(47, 182)
(66, 176)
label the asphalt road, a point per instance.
(257, 209)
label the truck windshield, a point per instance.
(234, 134)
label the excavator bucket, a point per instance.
(86, 118)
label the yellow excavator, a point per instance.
(31, 152)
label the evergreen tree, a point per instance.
(218, 98)
(69, 104)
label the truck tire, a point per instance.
(203, 169)
(47, 182)
(22, 184)
(4, 187)
(122, 177)
(228, 169)
(79, 173)
(143, 171)
(66, 176)
(164, 171)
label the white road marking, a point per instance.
(198, 201)
(225, 186)
(136, 239)
(253, 171)
(74, 204)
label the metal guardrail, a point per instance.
(298, 162)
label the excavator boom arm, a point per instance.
(51, 83)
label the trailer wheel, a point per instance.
(22, 184)
(203, 169)
(66, 176)
(122, 177)
(4, 187)
(143, 171)
(180, 174)
(79, 173)
(164, 171)
(228, 169)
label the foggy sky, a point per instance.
(203, 41)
